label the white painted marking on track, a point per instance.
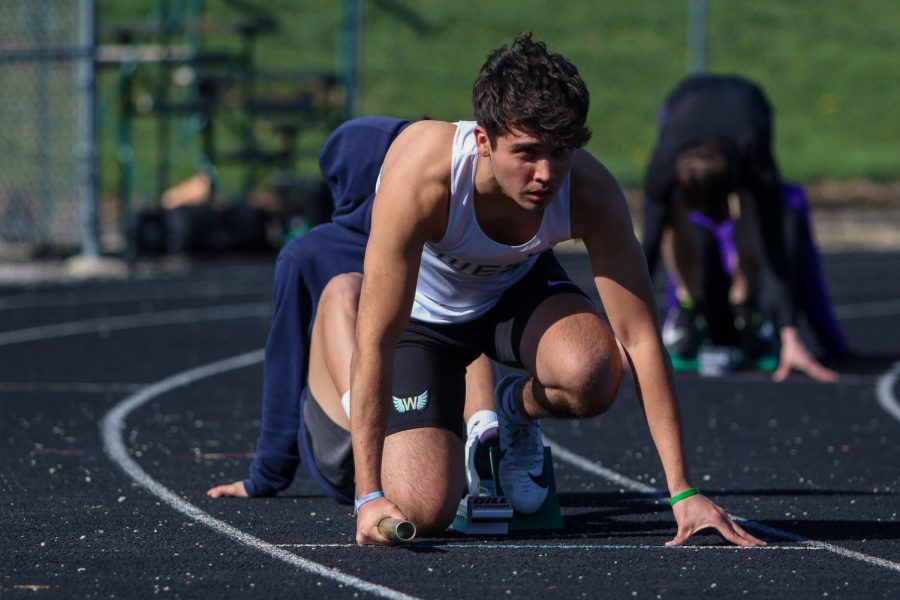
(482, 546)
(113, 426)
(597, 469)
(73, 298)
(885, 391)
(174, 317)
(877, 308)
(747, 378)
(570, 457)
(853, 310)
(133, 321)
(71, 387)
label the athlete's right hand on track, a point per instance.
(699, 512)
(228, 490)
(368, 518)
(795, 356)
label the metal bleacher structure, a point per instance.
(195, 77)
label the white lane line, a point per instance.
(876, 308)
(885, 391)
(853, 310)
(113, 428)
(607, 474)
(743, 378)
(70, 387)
(627, 483)
(231, 311)
(133, 321)
(468, 546)
(116, 296)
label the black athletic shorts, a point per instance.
(431, 359)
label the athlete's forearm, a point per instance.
(368, 419)
(656, 392)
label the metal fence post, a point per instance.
(697, 12)
(87, 132)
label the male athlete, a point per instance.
(718, 212)
(459, 263)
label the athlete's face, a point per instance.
(526, 168)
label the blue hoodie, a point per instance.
(350, 161)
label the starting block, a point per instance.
(483, 515)
(491, 514)
(714, 361)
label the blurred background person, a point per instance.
(734, 237)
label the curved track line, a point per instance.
(113, 426)
(103, 324)
(636, 486)
(862, 310)
(114, 423)
(258, 309)
(885, 391)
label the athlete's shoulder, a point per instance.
(415, 180)
(426, 137)
(424, 148)
(591, 180)
(598, 202)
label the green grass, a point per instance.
(829, 67)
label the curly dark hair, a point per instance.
(526, 87)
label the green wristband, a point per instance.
(682, 495)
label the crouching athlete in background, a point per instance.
(735, 238)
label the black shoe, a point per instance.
(684, 330)
(756, 333)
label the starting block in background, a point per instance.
(714, 361)
(491, 514)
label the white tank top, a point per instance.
(464, 274)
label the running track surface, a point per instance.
(123, 402)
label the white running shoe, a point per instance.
(522, 475)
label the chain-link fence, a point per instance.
(40, 146)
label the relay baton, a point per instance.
(396, 530)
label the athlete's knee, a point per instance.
(422, 474)
(430, 511)
(587, 382)
(591, 388)
(341, 293)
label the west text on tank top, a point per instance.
(463, 276)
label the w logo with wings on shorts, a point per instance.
(411, 403)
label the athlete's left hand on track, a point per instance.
(698, 512)
(228, 490)
(794, 355)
